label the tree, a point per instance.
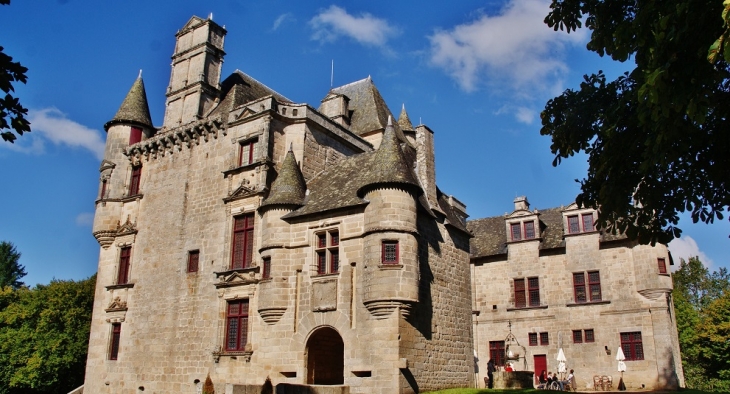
(656, 137)
(44, 336)
(12, 113)
(10, 270)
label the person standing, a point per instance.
(490, 373)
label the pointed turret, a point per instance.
(389, 164)
(134, 109)
(289, 187)
(404, 121)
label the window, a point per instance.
(103, 189)
(123, 273)
(577, 336)
(532, 295)
(587, 222)
(266, 269)
(573, 225)
(242, 248)
(390, 252)
(529, 230)
(588, 334)
(246, 152)
(594, 287)
(328, 252)
(193, 258)
(134, 180)
(662, 265)
(533, 338)
(237, 325)
(496, 352)
(515, 229)
(135, 135)
(632, 346)
(544, 339)
(114, 343)
(594, 283)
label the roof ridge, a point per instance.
(354, 82)
(262, 84)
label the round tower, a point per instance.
(287, 194)
(391, 271)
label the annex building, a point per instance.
(251, 237)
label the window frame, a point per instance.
(533, 291)
(134, 180)
(592, 283)
(193, 261)
(633, 348)
(242, 252)
(135, 135)
(577, 336)
(532, 229)
(241, 329)
(266, 267)
(497, 352)
(579, 287)
(385, 254)
(248, 155)
(327, 253)
(125, 259)
(114, 339)
(544, 339)
(662, 263)
(520, 294)
(586, 335)
(583, 218)
(102, 193)
(532, 338)
(515, 231)
(573, 228)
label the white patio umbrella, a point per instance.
(621, 368)
(561, 358)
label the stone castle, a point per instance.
(252, 238)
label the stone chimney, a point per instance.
(426, 164)
(521, 204)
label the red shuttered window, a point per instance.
(134, 180)
(266, 271)
(534, 291)
(123, 273)
(114, 341)
(520, 299)
(496, 352)
(577, 336)
(529, 230)
(327, 249)
(390, 252)
(579, 287)
(662, 265)
(632, 346)
(587, 222)
(532, 338)
(237, 325)
(193, 260)
(515, 230)
(242, 248)
(246, 153)
(594, 285)
(573, 224)
(135, 135)
(544, 339)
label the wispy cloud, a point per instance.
(53, 125)
(335, 22)
(686, 247)
(281, 19)
(513, 51)
(85, 219)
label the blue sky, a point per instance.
(476, 72)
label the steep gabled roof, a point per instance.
(240, 88)
(289, 187)
(134, 108)
(404, 121)
(369, 111)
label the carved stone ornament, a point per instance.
(106, 237)
(272, 315)
(241, 192)
(117, 305)
(106, 165)
(237, 279)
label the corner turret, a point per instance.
(406, 126)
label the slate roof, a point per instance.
(289, 187)
(490, 234)
(404, 121)
(134, 108)
(240, 88)
(369, 111)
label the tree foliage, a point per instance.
(10, 270)
(656, 137)
(702, 310)
(12, 113)
(44, 336)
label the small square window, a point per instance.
(544, 339)
(193, 259)
(577, 336)
(589, 335)
(266, 269)
(533, 338)
(390, 252)
(662, 265)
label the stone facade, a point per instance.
(252, 238)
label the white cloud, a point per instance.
(366, 29)
(514, 47)
(281, 19)
(53, 125)
(85, 219)
(686, 247)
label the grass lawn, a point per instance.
(533, 391)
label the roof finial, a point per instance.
(210, 16)
(390, 120)
(291, 147)
(140, 74)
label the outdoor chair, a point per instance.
(607, 382)
(597, 383)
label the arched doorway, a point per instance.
(325, 357)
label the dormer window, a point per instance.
(522, 230)
(529, 230)
(516, 233)
(580, 224)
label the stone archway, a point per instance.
(325, 357)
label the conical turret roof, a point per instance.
(404, 121)
(134, 108)
(289, 187)
(389, 163)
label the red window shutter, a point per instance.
(390, 252)
(662, 265)
(266, 274)
(544, 339)
(529, 230)
(520, 301)
(114, 345)
(532, 338)
(135, 135)
(321, 263)
(237, 325)
(193, 259)
(579, 287)
(577, 336)
(534, 289)
(134, 180)
(594, 283)
(589, 335)
(102, 195)
(123, 274)
(242, 243)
